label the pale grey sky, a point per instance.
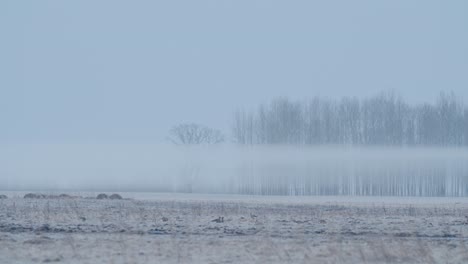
(126, 71)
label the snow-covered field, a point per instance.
(190, 228)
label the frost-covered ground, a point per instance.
(176, 228)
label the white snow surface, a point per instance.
(198, 228)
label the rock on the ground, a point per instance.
(2, 196)
(115, 197)
(48, 196)
(34, 196)
(102, 196)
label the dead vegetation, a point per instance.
(84, 230)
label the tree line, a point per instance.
(385, 119)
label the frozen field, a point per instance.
(189, 228)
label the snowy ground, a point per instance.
(176, 228)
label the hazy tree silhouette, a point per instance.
(194, 134)
(385, 120)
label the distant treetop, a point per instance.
(194, 134)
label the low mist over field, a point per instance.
(376, 146)
(267, 170)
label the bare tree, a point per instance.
(385, 119)
(243, 127)
(194, 134)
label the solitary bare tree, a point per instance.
(194, 134)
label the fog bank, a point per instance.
(262, 170)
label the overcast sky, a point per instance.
(126, 71)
